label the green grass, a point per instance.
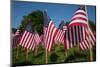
(57, 55)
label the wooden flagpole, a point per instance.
(46, 56)
(27, 55)
(65, 29)
(66, 52)
(91, 50)
(91, 54)
(17, 51)
(36, 50)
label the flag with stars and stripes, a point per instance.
(27, 40)
(79, 30)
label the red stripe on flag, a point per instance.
(50, 35)
(79, 18)
(80, 13)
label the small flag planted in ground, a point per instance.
(37, 38)
(79, 25)
(50, 34)
(16, 38)
(59, 38)
(27, 40)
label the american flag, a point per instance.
(17, 32)
(32, 44)
(44, 35)
(46, 23)
(59, 38)
(79, 17)
(46, 18)
(65, 38)
(89, 40)
(69, 37)
(42, 39)
(50, 35)
(27, 40)
(77, 30)
(61, 24)
(37, 38)
(16, 38)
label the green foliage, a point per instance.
(36, 17)
(53, 57)
(57, 55)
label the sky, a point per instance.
(57, 12)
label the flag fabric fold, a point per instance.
(16, 38)
(27, 40)
(59, 38)
(81, 32)
(50, 35)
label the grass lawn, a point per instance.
(57, 55)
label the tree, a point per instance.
(36, 17)
(92, 25)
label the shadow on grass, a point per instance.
(76, 57)
(53, 57)
(39, 54)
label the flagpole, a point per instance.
(66, 43)
(65, 29)
(46, 56)
(27, 55)
(91, 50)
(36, 50)
(17, 51)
